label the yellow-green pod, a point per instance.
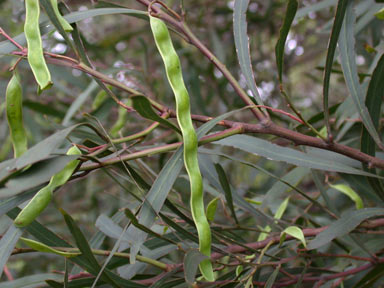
(44, 196)
(14, 108)
(99, 99)
(35, 46)
(120, 122)
(64, 23)
(175, 78)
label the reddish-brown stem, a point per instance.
(264, 127)
(191, 38)
(2, 32)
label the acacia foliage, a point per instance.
(286, 99)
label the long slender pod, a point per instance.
(35, 46)
(175, 78)
(44, 196)
(67, 27)
(14, 104)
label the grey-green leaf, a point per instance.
(348, 64)
(192, 260)
(142, 105)
(340, 12)
(280, 45)
(242, 46)
(7, 243)
(37, 280)
(344, 225)
(40, 151)
(278, 153)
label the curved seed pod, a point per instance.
(44, 196)
(67, 27)
(14, 104)
(99, 99)
(175, 78)
(35, 46)
(120, 122)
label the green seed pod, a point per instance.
(14, 104)
(44, 196)
(175, 78)
(120, 122)
(35, 46)
(99, 99)
(67, 27)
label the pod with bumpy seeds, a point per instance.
(14, 106)
(35, 45)
(175, 78)
(66, 26)
(44, 196)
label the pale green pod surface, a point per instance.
(99, 99)
(62, 177)
(14, 106)
(44, 196)
(34, 208)
(120, 122)
(175, 78)
(67, 27)
(35, 46)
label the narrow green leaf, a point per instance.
(38, 152)
(227, 189)
(350, 193)
(37, 280)
(79, 101)
(211, 209)
(49, 238)
(86, 251)
(319, 185)
(280, 45)
(142, 105)
(209, 172)
(12, 202)
(192, 259)
(155, 199)
(280, 211)
(38, 246)
(371, 277)
(348, 64)
(44, 109)
(143, 228)
(242, 46)
(279, 189)
(36, 175)
(183, 232)
(278, 153)
(380, 14)
(338, 22)
(373, 102)
(317, 6)
(272, 278)
(7, 243)
(295, 232)
(349, 221)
